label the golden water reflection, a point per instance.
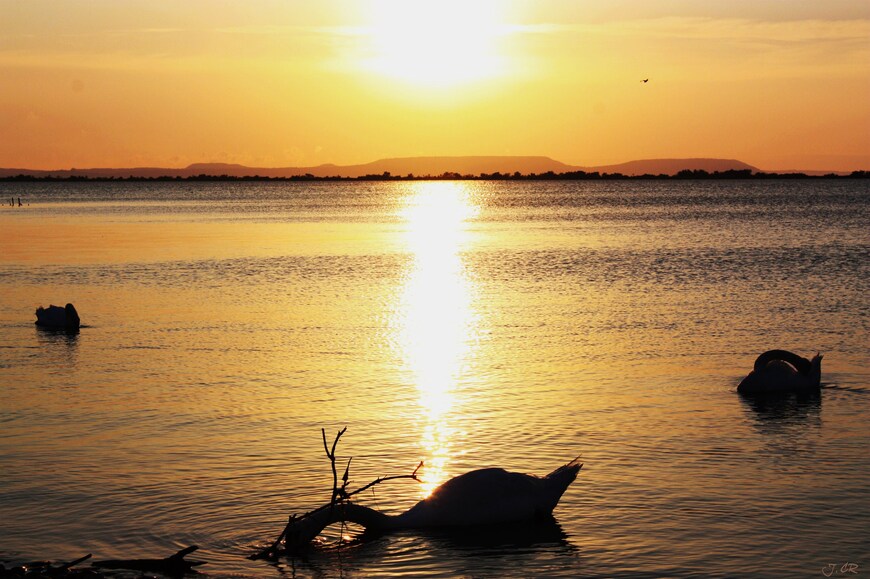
(437, 321)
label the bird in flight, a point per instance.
(645, 80)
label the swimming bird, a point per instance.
(481, 497)
(778, 371)
(57, 317)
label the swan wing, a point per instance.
(51, 316)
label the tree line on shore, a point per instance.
(450, 176)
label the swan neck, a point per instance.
(361, 515)
(301, 532)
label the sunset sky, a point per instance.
(780, 84)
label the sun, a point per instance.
(436, 44)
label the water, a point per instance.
(464, 324)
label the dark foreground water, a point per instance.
(463, 324)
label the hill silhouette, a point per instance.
(673, 166)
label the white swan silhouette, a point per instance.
(480, 497)
(58, 317)
(779, 371)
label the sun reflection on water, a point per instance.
(437, 319)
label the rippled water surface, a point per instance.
(465, 324)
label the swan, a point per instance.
(58, 317)
(779, 371)
(481, 497)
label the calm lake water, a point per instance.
(465, 324)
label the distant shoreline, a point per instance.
(548, 176)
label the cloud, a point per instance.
(725, 29)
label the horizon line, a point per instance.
(521, 159)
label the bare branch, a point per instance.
(336, 492)
(385, 479)
(345, 478)
(335, 442)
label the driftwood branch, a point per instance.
(67, 566)
(339, 496)
(174, 565)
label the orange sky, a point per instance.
(778, 84)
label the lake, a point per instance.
(467, 324)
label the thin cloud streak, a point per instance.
(732, 29)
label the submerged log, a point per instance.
(174, 565)
(46, 569)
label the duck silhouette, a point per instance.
(481, 497)
(778, 371)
